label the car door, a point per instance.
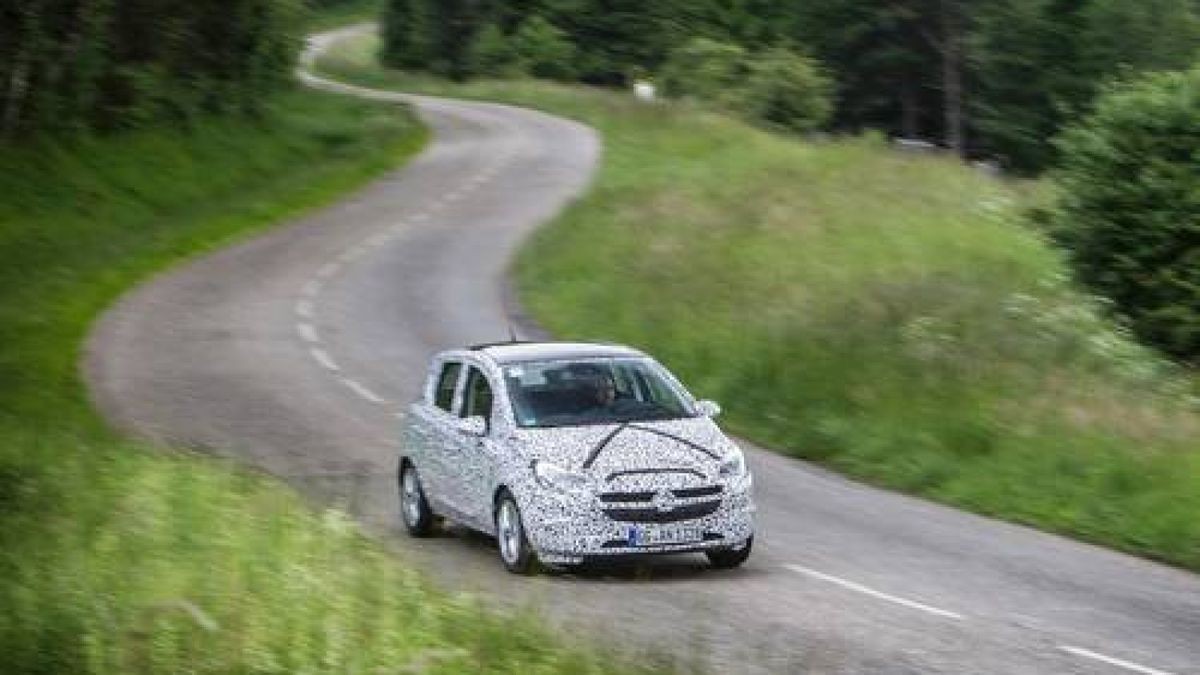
(478, 450)
(437, 422)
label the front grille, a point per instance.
(619, 497)
(653, 515)
(648, 495)
(706, 491)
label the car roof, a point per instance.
(514, 352)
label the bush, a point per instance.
(491, 53)
(1129, 210)
(777, 88)
(704, 69)
(787, 91)
(544, 50)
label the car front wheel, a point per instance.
(729, 558)
(515, 551)
(414, 508)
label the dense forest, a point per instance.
(991, 78)
(72, 65)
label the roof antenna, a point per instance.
(512, 333)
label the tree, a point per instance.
(1039, 63)
(491, 53)
(1139, 36)
(705, 69)
(69, 65)
(1026, 65)
(884, 68)
(543, 50)
(404, 34)
(787, 91)
(1129, 213)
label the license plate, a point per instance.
(659, 536)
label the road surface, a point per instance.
(295, 352)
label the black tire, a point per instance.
(729, 558)
(515, 552)
(418, 518)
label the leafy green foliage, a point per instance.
(991, 77)
(492, 54)
(777, 88)
(787, 91)
(436, 35)
(543, 50)
(1039, 63)
(1130, 206)
(705, 69)
(97, 64)
(405, 35)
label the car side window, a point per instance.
(477, 397)
(443, 395)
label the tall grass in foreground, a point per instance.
(889, 315)
(116, 557)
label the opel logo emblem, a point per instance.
(664, 501)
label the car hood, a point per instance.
(693, 446)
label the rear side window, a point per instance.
(443, 396)
(477, 399)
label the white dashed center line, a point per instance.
(362, 391)
(306, 304)
(307, 332)
(911, 604)
(1120, 663)
(322, 357)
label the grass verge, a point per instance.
(892, 316)
(117, 557)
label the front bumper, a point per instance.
(572, 532)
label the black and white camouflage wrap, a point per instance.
(648, 487)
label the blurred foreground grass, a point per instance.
(890, 315)
(118, 557)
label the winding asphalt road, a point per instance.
(295, 351)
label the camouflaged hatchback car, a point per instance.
(571, 451)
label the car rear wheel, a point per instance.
(414, 508)
(729, 558)
(515, 551)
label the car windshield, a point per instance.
(593, 391)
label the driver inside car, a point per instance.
(602, 399)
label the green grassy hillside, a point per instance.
(889, 315)
(118, 557)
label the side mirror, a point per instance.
(475, 425)
(708, 408)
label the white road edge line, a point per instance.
(1120, 663)
(362, 391)
(322, 357)
(911, 604)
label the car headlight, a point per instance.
(558, 478)
(734, 471)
